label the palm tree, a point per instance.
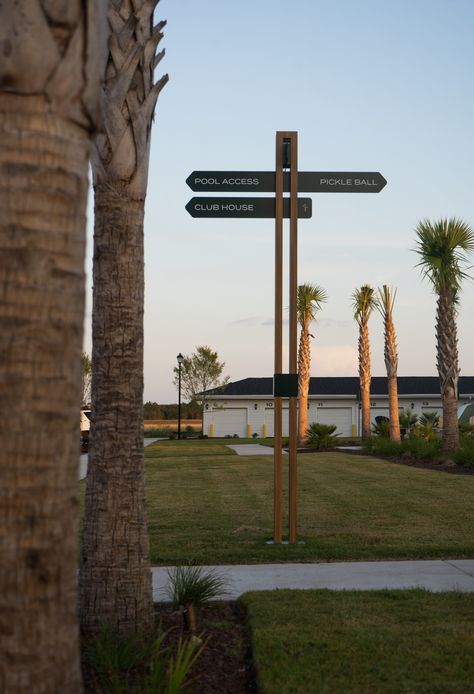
(384, 305)
(308, 302)
(115, 578)
(442, 246)
(49, 105)
(363, 302)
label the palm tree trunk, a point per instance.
(48, 105)
(115, 581)
(447, 363)
(393, 408)
(365, 377)
(391, 365)
(304, 360)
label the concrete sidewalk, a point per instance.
(251, 449)
(437, 576)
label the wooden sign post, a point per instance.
(286, 158)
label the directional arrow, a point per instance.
(308, 181)
(245, 207)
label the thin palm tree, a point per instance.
(363, 303)
(50, 73)
(442, 247)
(309, 300)
(384, 304)
(115, 586)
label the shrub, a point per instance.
(255, 435)
(158, 433)
(422, 449)
(466, 430)
(321, 436)
(383, 446)
(465, 454)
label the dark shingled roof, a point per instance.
(347, 385)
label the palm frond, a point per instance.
(385, 301)
(442, 247)
(363, 302)
(309, 300)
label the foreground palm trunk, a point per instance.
(49, 77)
(115, 577)
(448, 369)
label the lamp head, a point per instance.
(180, 358)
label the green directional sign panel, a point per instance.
(285, 385)
(308, 181)
(245, 207)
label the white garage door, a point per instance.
(230, 421)
(340, 416)
(269, 421)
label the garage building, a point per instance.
(245, 408)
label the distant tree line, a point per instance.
(152, 410)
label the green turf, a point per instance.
(207, 504)
(362, 641)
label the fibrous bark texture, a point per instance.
(115, 574)
(391, 365)
(448, 369)
(115, 577)
(304, 366)
(49, 77)
(365, 377)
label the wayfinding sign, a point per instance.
(308, 181)
(245, 207)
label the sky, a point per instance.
(372, 85)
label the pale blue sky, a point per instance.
(370, 85)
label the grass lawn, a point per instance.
(207, 504)
(362, 641)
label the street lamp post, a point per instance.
(180, 361)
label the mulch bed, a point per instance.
(449, 467)
(405, 459)
(224, 666)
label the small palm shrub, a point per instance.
(321, 436)
(191, 587)
(381, 427)
(427, 427)
(407, 420)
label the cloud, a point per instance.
(335, 360)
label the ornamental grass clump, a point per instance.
(126, 664)
(191, 587)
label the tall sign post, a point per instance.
(286, 178)
(278, 365)
(286, 158)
